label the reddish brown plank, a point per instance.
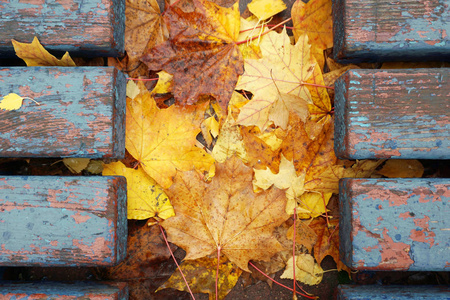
(393, 114)
(385, 30)
(84, 28)
(62, 221)
(81, 112)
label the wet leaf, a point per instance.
(225, 214)
(201, 277)
(201, 52)
(145, 198)
(34, 54)
(402, 168)
(163, 140)
(76, 165)
(306, 270)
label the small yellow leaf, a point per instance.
(76, 165)
(34, 54)
(264, 9)
(11, 102)
(132, 89)
(95, 167)
(306, 270)
(164, 84)
(146, 199)
(315, 203)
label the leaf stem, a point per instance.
(293, 249)
(217, 273)
(173, 257)
(280, 284)
(28, 98)
(258, 36)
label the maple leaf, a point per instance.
(163, 140)
(304, 235)
(201, 277)
(283, 69)
(225, 215)
(145, 198)
(328, 180)
(314, 19)
(311, 205)
(34, 54)
(402, 168)
(264, 9)
(201, 52)
(306, 269)
(327, 241)
(144, 27)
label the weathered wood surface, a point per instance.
(385, 30)
(62, 221)
(395, 224)
(406, 292)
(393, 114)
(82, 27)
(59, 290)
(81, 112)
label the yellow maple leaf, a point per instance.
(306, 269)
(283, 69)
(145, 198)
(163, 140)
(314, 19)
(201, 277)
(286, 178)
(311, 205)
(34, 55)
(264, 9)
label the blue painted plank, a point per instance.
(62, 221)
(395, 224)
(59, 290)
(385, 30)
(84, 28)
(393, 114)
(379, 292)
(81, 112)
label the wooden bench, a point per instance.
(58, 290)
(378, 292)
(84, 28)
(62, 221)
(385, 30)
(81, 112)
(393, 114)
(395, 224)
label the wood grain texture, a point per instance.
(385, 30)
(81, 112)
(62, 221)
(59, 290)
(82, 27)
(379, 292)
(393, 114)
(395, 224)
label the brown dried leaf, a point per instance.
(402, 168)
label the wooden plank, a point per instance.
(81, 112)
(393, 114)
(385, 30)
(84, 28)
(378, 292)
(395, 224)
(59, 290)
(62, 221)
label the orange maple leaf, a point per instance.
(225, 215)
(201, 52)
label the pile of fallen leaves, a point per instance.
(231, 151)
